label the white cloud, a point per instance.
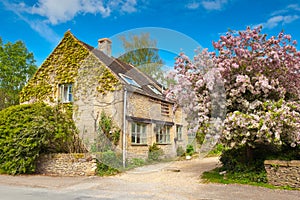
(295, 7)
(45, 13)
(129, 6)
(284, 16)
(280, 19)
(37, 25)
(193, 5)
(214, 4)
(60, 11)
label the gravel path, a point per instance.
(159, 181)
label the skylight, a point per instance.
(129, 80)
(156, 91)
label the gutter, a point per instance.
(124, 127)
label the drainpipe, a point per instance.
(124, 127)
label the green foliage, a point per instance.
(28, 130)
(105, 170)
(253, 178)
(247, 159)
(180, 151)
(141, 51)
(136, 162)
(190, 150)
(17, 65)
(111, 159)
(61, 67)
(107, 126)
(217, 150)
(154, 152)
(108, 135)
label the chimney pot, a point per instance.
(104, 45)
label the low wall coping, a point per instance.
(292, 163)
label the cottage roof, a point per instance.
(133, 79)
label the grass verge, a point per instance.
(249, 178)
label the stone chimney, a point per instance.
(104, 45)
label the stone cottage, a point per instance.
(88, 81)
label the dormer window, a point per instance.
(156, 91)
(65, 93)
(129, 80)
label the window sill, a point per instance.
(163, 143)
(133, 144)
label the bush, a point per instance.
(155, 152)
(180, 151)
(109, 163)
(28, 130)
(106, 170)
(217, 150)
(190, 150)
(252, 159)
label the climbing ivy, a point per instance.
(69, 62)
(59, 68)
(95, 78)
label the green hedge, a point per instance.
(31, 129)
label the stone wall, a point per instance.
(283, 173)
(76, 164)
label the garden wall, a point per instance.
(76, 164)
(283, 173)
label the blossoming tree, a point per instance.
(260, 78)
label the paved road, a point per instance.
(151, 182)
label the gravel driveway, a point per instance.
(149, 182)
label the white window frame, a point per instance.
(129, 80)
(66, 93)
(138, 133)
(162, 134)
(154, 89)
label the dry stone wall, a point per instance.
(283, 173)
(76, 164)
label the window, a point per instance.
(129, 80)
(162, 134)
(65, 92)
(138, 133)
(156, 91)
(179, 132)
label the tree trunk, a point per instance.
(249, 154)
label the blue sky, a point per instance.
(175, 25)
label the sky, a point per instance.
(176, 25)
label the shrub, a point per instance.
(155, 152)
(111, 159)
(180, 151)
(190, 150)
(28, 130)
(105, 170)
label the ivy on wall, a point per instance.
(94, 79)
(62, 67)
(59, 68)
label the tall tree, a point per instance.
(141, 51)
(17, 66)
(261, 83)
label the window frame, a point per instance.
(154, 89)
(162, 134)
(130, 80)
(139, 134)
(66, 93)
